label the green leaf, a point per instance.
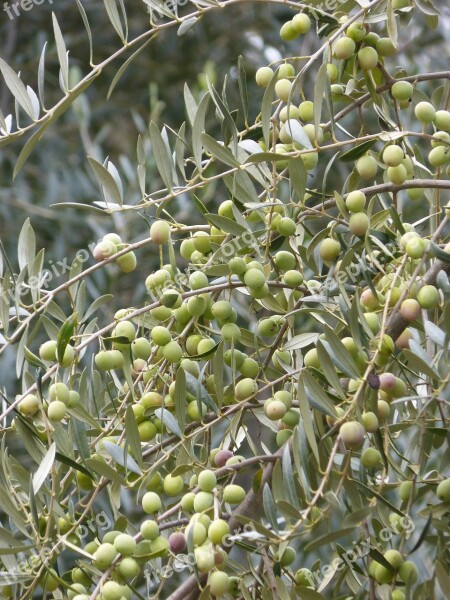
(114, 17)
(162, 158)
(106, 181)
(26, 247)
(225, 224)
(186, 25)
(132, 433)
(64, 336)
(297, 176)
(242, 83)
(122, 458)
(180, 398)
(340, 354)
(300, 341)
(297, 133)
(357, 151)
(327, 538)
(44, 468)
(322, 81)
(439, 253)
(319, 398)
(16, 87)
(169, 421)
(219, 151)
(305, 413)
(197, 389)
(269, 507)
(125, 66)
(266, 109)
(104, 470)
(328, 370)
(288, 478)
(61, 51)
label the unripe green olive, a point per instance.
(304, 578)
(219, 583)
(207, 480)
(274, 409)
(440, 138)
(397, 175)
(233, 494)
(442, 120)
(287, 32)
(306, 111)
(443, 490)
(383, 409)
(59, 391)
(405, 490)
(393, 155)
(329, 250)
(367, 167)
(124, 329)
(203, 501)
(425, 112)
(204, 559)
(286, 226)
(245, 388)
(415, 194)
(439, 156)
(301, 23)
(283, 89)
(352, 434)
(311, 359)
(356, 31)
(428, 297)
(147, 431)
(359, 223)
(173, 486)
(402, 90)
(111, 590)
(398, 595)
(332, 72)
(160, 232)
(125, 544)
(410, 310)
(249, 367)
(355, 201)
(370, 421)
(370, 458)
(160, 335)
(394, 558)
(289, 112)
(415, 247)
(263, 77)
(385, 47)
(196, 306)
(187, 248)
(367, 58)
(104, 250)
(284, 260)
(29, 405)
(230, 332)
(151, 503)
(149, 529)
(408, 573)
(127, 262)
(373, 321)
(172, 352)
(254, 278)
(286, 70)
(104, 555)
(344, 48)
(47, 351)
(56, 410)
(129, 568)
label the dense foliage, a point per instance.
(224, 342)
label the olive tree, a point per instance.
(270, 419)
